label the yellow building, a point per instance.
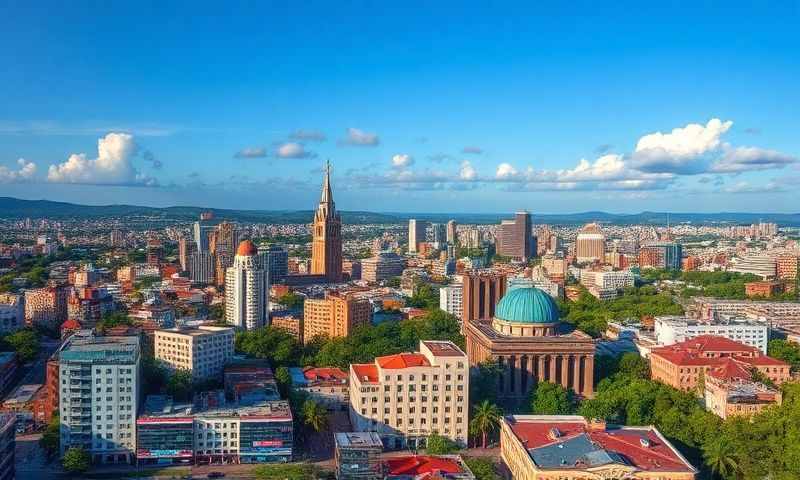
(336, 315)
(202, 350)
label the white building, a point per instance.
(450, 298)
(416, 234)
(99, 378)
(671, 330)
(246, 289)
(12, 312)
(203, 350)
(761, 265)
(407, 396)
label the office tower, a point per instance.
(472, 238)
(102, 423)
(155, 252)
(382, 266)
(590, 245)
(201, 267)
(246, 289)
(426, 392)
(416, 234)
(7, 445)
(481, 292)
(275, 258)
(202, 231)
(117, 238)
(452, 237)
(336, 315)
(439, 234)
(222, 243)
(326, 253)
(515, 238)
(12, 312)
(203, 350)
(662, 255)
(46, 306)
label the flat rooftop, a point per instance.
(358, 440)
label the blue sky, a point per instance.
(439, 107)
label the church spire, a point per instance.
(327, 195)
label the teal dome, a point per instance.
(527, 305)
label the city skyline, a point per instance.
(470, 110)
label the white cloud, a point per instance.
(113, 165)
(293, 150)
(402, 160)
(743, 159)
(360, 138)
(25, 172)
(467, 171)
(251, 152)
(682, 151)
(746, 187)
(505, 171)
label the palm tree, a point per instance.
(315, 415)
(721, 457)
(485, 419)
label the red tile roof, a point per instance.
(422, 465)
(712, 351)
(627, 441)
(366, 371)
(71, 324)
(402, 360)
(324, 373)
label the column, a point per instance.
(553, 360)
(540, 370)
(588, 375)
(576, 373)
(565, 370)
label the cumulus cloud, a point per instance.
(24, 173)
(472, 150)
(467, 171)
(402, 160)
(293, 150)
(307, 136)
(505, 171)
(251, 152)
(683, 151)
(360, 138)
(742, 159)
(113, 165)
(746, 187)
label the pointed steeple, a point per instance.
(327, 195)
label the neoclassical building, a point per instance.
(531, 344)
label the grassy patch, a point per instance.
(292, 471)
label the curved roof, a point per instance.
(527, 305)
(246, 249)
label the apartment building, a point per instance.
(12, 312)
(203, 350)
(450, 298)
(336, 315)
(99, 381)
(325, 385)
(671, 330)
(46, 306)
(407, 396)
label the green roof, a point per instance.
(527, 305)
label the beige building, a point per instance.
(336, 315)
(203, 350)
(46, 306)
(570, 447)
(590, 245)
(407, 396)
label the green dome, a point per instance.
(527, 305)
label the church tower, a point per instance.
(326, 254)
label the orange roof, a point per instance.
(729, 370)
(71, 324)
(402, 360)
(324, 373)
(246, 249)
(422, 465)
(366, 372)
(713, 351)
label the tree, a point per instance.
(786, 351)
(483, 382)
(24, 342)
(179, 385)
(284, 380)
(113, 319)
(217, 311)
(270, 343)
(439, 445)
(76, 460)
(292, 301)
(315, 415)
(51, 438)
(551, 399)
(154, 375)
(482, 468)
(634, 366)
(485, 420)
(720, 456)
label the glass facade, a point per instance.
(167, 442)
(265, 441)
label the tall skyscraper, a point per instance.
(416, 234)
(590, 244)
(275, 259)
(202, 229)
(185, 248)
(452, 237)
(223, 242)
(439, 234)
(201, 267)
(246, 289)
(515, 238)
(326, 254)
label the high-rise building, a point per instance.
(452, 232)
(408, 396)
(155, 252)
(382, 266)
(185, 249)
(481, 292)
(7, 445)
(326, 253)
(223, 245)
(102, 423)
(12, 312)
(246, 289)
(665, 255)
(202, 231)
(336, 315)
(275, 258)
(450, 299)
(786, 267)
(590, 246)
(515, 237)
(46, 306)
(203, 350)
(416, 234)
(201, 267)
(439, 234)
(472, 238)
(117, 238)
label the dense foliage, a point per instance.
(551, 399)
(292, 471)
(482, 468)
(113, 319)
(439, 445)
(787, 351)
(76, 460)
(425, 296)
(24, 342)
(717, 284)
(292, 300)
(591, 315)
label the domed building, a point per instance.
(528, 340)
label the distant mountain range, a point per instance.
(17, 208)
